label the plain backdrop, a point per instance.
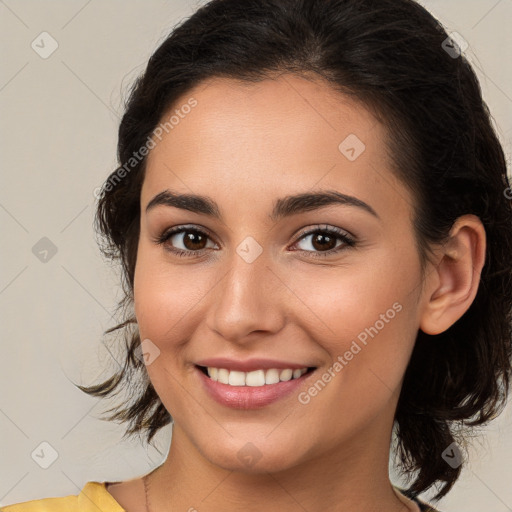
(59, 120)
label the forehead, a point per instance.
(278, 115)
(284, 135)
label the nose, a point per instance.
(249, 299)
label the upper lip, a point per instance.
(249, 364)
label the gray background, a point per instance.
(58, 143)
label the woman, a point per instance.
(312, 219)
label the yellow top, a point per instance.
(94, 497)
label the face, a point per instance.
(274, 283)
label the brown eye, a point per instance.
(193, 240)
(184, 241)
(324, 241)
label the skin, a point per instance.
(245, 146)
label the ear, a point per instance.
(454, 281)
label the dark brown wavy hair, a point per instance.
(391, 56)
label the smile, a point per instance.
(251, 390)
(254, 378)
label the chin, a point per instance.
(252, 457)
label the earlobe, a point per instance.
(457, 275)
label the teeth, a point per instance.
(236, 378)
(286, 374)
(254, 378)
(223, 376)
(272, 376)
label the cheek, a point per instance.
(368, 318)
(369, 343)
(163, 293)
(344, 301)
(160, 302)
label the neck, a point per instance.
(342, 480)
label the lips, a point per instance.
(239, 395)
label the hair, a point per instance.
(388, 55)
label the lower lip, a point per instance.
(249, 397)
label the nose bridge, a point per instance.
(247, 297)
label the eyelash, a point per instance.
(347, 240)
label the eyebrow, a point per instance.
(283, 207)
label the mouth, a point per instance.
(256, 378)
(251, 390)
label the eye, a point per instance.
(194, 241)
(325, 239)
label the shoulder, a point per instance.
(44, 505)
(92, 497)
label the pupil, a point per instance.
(317, 240)
(192, 237)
